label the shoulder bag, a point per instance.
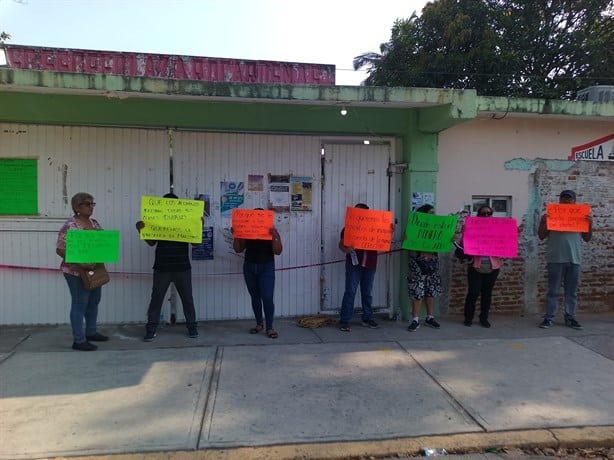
(94, 278)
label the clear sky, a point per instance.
(312, 31)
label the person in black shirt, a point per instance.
(171, 265)
(259, 275)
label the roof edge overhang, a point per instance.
(118, 86)
(509, 107)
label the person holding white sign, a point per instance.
(84, 303)
(482, 274)
(563, 257)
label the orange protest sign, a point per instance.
(567, 217)
(252, 224)
(368, 229)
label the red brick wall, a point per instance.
(521, 286)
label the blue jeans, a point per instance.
(260, 282)
(83, 306)
(355, 275)
(161, 282)
(569, 275)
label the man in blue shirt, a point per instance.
(563, 257)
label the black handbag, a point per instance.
(459, 252)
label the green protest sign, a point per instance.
(92, 246)
(19, 186)
(429, 232)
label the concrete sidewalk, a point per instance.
(312, 393)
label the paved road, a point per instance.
(312, 393)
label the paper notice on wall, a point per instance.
(279, 192)
(231, 196)
(300, 191)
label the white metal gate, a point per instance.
(353, 173)
(118, 166)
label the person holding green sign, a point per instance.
(84, 303)
(171, 265)
(423, 282)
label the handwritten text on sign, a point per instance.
(171, 219)
(490, 236)
(92, 246)
(368, 229)
(429, 232)
(567, 217)
(252, 224)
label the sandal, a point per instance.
(255, 330)
(272, 334)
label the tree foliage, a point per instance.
(532, 48)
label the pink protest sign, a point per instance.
(490, 236)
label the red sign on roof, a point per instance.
(168, 66)
(601, 149)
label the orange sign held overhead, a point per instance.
(567, 217)
(252, 224)
(368, 229)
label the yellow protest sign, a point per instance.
(252, 224)
(171, 219)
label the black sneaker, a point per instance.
(467, 322)
(84, 346)
(484, 323)
(413, 327)
(173, 318)
(344, 327)
(431, 322)
(572, 323)
(546, 323)
(192, 332)
(149, 337)
(370, 324)
(97, 337)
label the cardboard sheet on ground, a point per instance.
(92, 246)
(567, 217)
(252, 224)
(490, 236)
(429, 232)
(368, 229)
(172, 219)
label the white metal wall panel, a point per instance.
(119, 166)
(202, 161)
(116, 166)
(353, 173)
